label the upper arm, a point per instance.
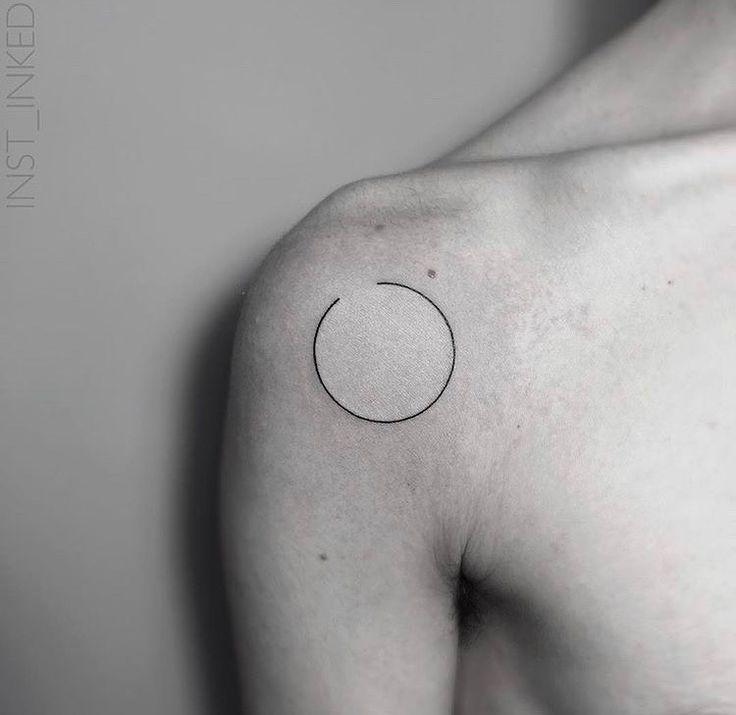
(341, 595)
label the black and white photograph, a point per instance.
(368, 357)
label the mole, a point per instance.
(431, 273)
(323, 557)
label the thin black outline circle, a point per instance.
(369, 419)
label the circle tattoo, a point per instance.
(385, 354)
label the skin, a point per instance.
(556, 534)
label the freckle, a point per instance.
(518, 426)
(644, 286)
(431, 273)
(323, 557)
(670, 282)
(379, 227)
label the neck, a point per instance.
(671, 73)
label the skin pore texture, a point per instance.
(545, 321)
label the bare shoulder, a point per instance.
(379, 326)
(432, 316)
(435, 374)
(360, 366)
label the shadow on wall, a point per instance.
(601, 19)
(205, 404)
(202, 558)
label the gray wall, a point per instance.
(177, 141)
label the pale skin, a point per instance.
(576, 481)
